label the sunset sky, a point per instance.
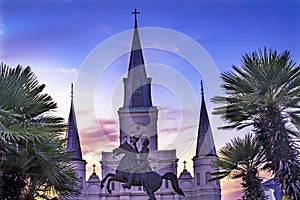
(61, 41)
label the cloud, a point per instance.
(65, 70)
(175, 129)
(94, 140)
(51, 70)
(2, 26)
(106, 29)
(106, 122)
(83, 112)
(104, 134)
(231, 189)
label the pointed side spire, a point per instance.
(73, 143)
(205, 141)
(137, 84)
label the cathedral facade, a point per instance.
(138, 116)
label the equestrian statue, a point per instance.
(134, 170)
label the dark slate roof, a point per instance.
(136, 54)
(205, 141)
(137, 84)
(185, 175)
(73, 143)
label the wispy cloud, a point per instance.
(177, 128)
(106, 29)
(105, 133)
(2, 26)
(65, 70)
(106, 122)
(94, 140)
(47, 70)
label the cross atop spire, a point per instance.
(94, 170)
(135, 17)
(72, 93)
(202, 91)
(184, 165)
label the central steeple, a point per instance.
(138, 116)
(137, 84)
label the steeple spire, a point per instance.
(137, 84)
(205, 142)
(73, 143)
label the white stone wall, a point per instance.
(137, 121)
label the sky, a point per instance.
(64, 42)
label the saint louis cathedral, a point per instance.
(139, 116)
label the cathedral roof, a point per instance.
(185, 174)
(205, 141)
(73, 143)
(94, 178)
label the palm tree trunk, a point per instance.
(280, 151)
(252, 186)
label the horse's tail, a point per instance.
(172, 177)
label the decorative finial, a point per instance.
(202, 91)
(135, 18)
(184, 165)
(72, 93)
(94, 169)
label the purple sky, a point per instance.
(55, 37)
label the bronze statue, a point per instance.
(137, 172)
(142, 166)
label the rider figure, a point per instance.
(143, 165)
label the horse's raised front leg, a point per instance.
(113, 178)
(105, 178)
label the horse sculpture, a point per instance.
(151, 181)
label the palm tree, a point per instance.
(241, 158)
(265, 93)
(34, 162)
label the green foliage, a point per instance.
(34, 163)
(264, 92)
(241, 158)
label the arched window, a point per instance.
(166, 184)
(207, 177)
(198, 179)
(113, 185)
